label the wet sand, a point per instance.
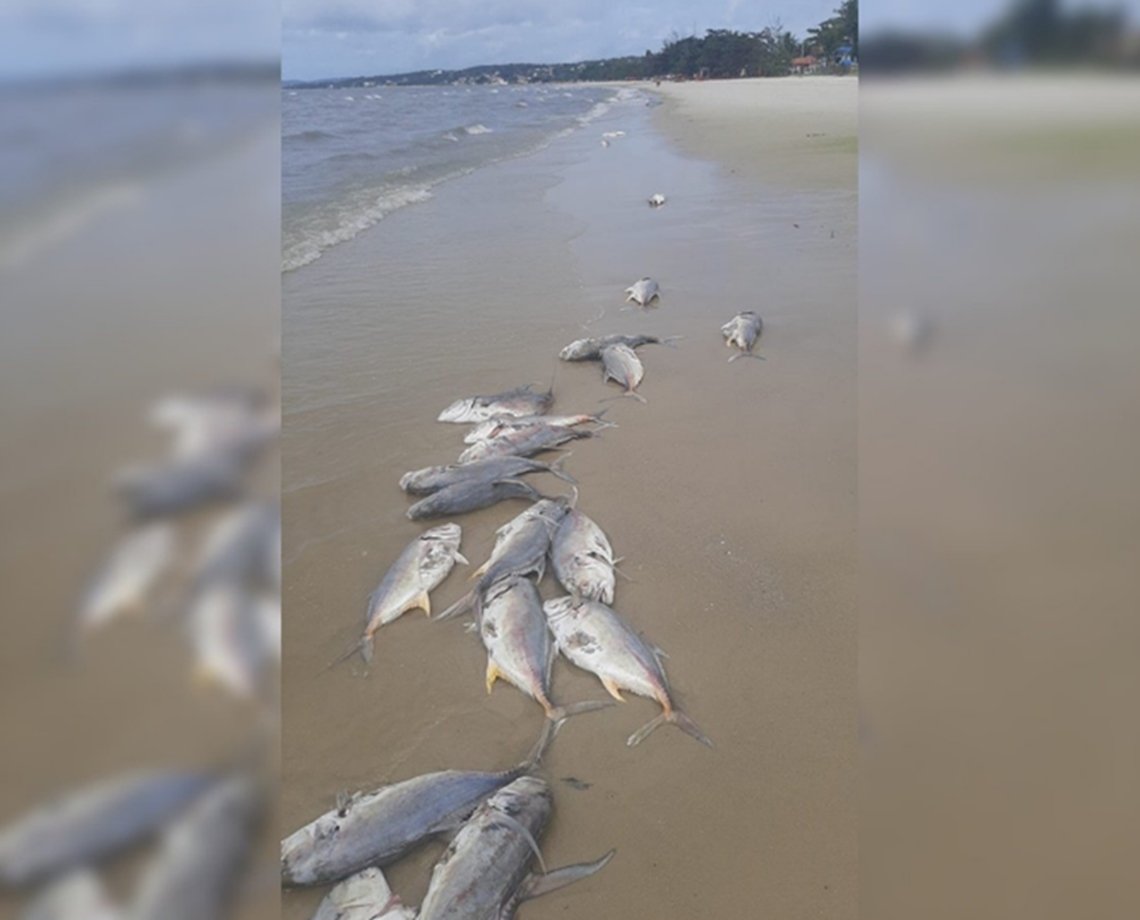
(731, 495)
(118, 315)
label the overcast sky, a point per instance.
(324, 38)
(329, 38)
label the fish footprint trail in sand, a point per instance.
(419, 570)
(621, 364)
(743, 331)
(593, 637)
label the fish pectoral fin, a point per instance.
(535, 886)
(421, 601)
(613, 689)
(493, 674)
(460, 558)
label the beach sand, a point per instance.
(731, 495)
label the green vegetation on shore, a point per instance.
(718, 53)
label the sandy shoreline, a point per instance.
(791, 131)
(731, 495)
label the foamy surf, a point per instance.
(350, 224)
(477, 129)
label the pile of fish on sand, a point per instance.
(226, 594)
(495, 819)
(197, 551)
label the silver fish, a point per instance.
(195, 873)
(471, 495)
(521, 401)
(433, 478)
(591, 349)
(364, 896)
(520, 549)
(643, 292)
(420, 569)
(743, 330)
(377, 828)
(227, 628)
(493, 427)
(129, 577)
(93, 823)
(583, 559)
(242, 547)
(519, 648)
(596, 639)
(620, 363)
(181, 485)
(523, 442)
(484, 873)
(227, 419)
(79, 895)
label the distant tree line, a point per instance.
(718, 53)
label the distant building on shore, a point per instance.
(806, 64)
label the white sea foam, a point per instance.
(477, 129)
(351, 221)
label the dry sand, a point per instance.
(792, 131)
(731, 495)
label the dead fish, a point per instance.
(419, 570)
(228, 419)
(591, 349)
(377, 828)
(127, 580)
(656, 200)
(471, 495)
(494, 427)
(742, 331)
(520, 549)
(596, 639)
(519, 648)
(521, 401)
(364, 896)
(93, 823)
(484, 875)
(242, 548)
(643, 292)
(228, 632)
(433, 478)
(78, 895)
(523, 442)
(181, 485)
(195, 873)
(583, 559)
(620, 363)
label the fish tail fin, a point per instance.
(535, 886)
(560, 714)
(746, 354)
(541, 746)
(557, 470)
(461, 606)
(364, 645)
(670, 340)
(676, 717)
(641, 399)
